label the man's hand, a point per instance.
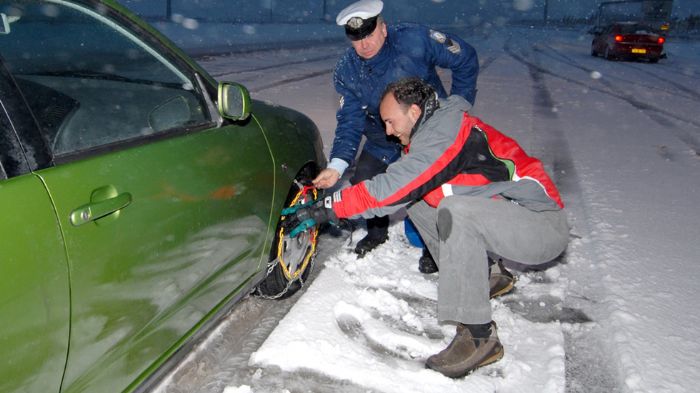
(298, 219)
(327, 178)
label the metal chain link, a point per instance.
(272, 264)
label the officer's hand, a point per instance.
(300, 218)
(327, 178)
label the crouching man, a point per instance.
(470, 191)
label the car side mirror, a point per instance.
(234, 101)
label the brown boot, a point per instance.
(501, 281)
(466, 353)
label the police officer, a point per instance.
(381, 54)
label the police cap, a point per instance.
(360, 18)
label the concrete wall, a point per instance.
(425, 11)
(312, 11)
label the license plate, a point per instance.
(639, 50)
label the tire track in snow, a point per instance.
(581, 365)
(486, 63)
(690, 94)
(658, 115)
(291, 80)
(556, 55)
(297, 63)
(279, 65)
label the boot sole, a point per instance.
(491, 359)
(504, 290)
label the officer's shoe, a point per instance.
(466, 353)
(501, 281)
(426, 263)
(369, 243)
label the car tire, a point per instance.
(653, 60)
(593, 51)
(291, 259)
(608, 55)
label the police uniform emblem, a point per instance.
(441, 38)
(438, 36)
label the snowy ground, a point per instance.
(616, 313)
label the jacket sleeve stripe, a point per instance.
(354, 200)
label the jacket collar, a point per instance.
(427, 110)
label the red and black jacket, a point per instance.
(453, 153)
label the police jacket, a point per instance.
(409, 50)
(453, 153)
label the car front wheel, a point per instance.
(291, 259)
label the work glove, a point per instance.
(301, 217)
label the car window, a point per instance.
(12, 157)
(636, 29)
(89, 81)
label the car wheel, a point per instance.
(653, 60)
(291, 259)
(608, 55)
(593, 51)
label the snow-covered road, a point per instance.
(617, 312)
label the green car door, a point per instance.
(164, 214)
(185, 223)
(34, 293)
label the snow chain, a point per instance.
(308, 263)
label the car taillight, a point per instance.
(618, 38)
(661, 40)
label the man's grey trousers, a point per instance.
(461, 231)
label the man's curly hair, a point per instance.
(409, 91)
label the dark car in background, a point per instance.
(627, 40)
(139, 197)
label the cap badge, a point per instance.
(356, 22)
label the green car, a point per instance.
(139, 198)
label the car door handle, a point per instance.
(98, 209)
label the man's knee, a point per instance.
(455, 214)
(444, 224)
